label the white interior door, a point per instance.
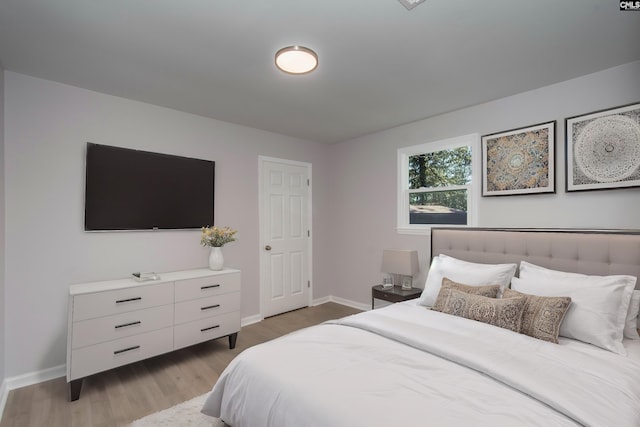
(285, 235)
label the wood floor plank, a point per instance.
(119, 396)
(120, 404)
(20, 402)
(80, 415)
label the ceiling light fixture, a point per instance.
(296, 60)
(410, 4)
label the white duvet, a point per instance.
(405, 365)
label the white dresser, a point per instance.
(116, 322)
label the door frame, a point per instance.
(261, 223)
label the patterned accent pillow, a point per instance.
(542, 315)
(504, 313)
(489, 291)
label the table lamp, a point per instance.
(403, 263)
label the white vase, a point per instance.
(216, 260)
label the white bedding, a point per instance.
(633, 349)
(409, 366)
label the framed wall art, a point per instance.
(603, 149)
(519, 161)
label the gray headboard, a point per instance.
(600, 252)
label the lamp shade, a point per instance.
(398, 261)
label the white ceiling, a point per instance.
(380, 64)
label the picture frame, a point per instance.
(519, 161)
(603, 149)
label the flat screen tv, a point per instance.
(129, 189)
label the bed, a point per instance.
(417, 364)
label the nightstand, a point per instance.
(395, 294)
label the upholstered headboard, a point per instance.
(579, 251)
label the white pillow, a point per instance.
(467, 273)
(632, 323)
(599, 304)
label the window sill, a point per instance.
(425, 231)
(411, 230)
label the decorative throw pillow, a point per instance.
(489, 291)
(469, 273)
(599, 304)
(504, 313)
(542, 315)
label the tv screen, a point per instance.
(129, 189)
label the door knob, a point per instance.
(267, 248)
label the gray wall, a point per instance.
(354, 190)
(2, 233)
(47, 127)
(365, 181)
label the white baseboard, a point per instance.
(250, 320)
(342, 301)
(4, 393)
(320, 301)
(36, 377)
(24, 380)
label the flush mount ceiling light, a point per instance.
(410, 4)
(296, 60)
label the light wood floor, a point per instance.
(119, 396)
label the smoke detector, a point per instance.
(410, 4)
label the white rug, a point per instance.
(185, 414)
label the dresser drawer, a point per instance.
(210, 328)
(100, 357)
(109, 328)
(186, 311)
(98, 304)
(206, 286)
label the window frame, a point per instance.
(473, 189)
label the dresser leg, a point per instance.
(232, 340)
(74, 389)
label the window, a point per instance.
(435, 183)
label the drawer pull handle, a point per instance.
(124, 325)
(128, 300)
(135, 347)
(209, 328)
(217, 285)
(210, 307)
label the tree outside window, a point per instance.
(438, 186)
(435, 184)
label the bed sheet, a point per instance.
(407, 365)
(633, 349)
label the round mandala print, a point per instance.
(517, 161)
(608, 149)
